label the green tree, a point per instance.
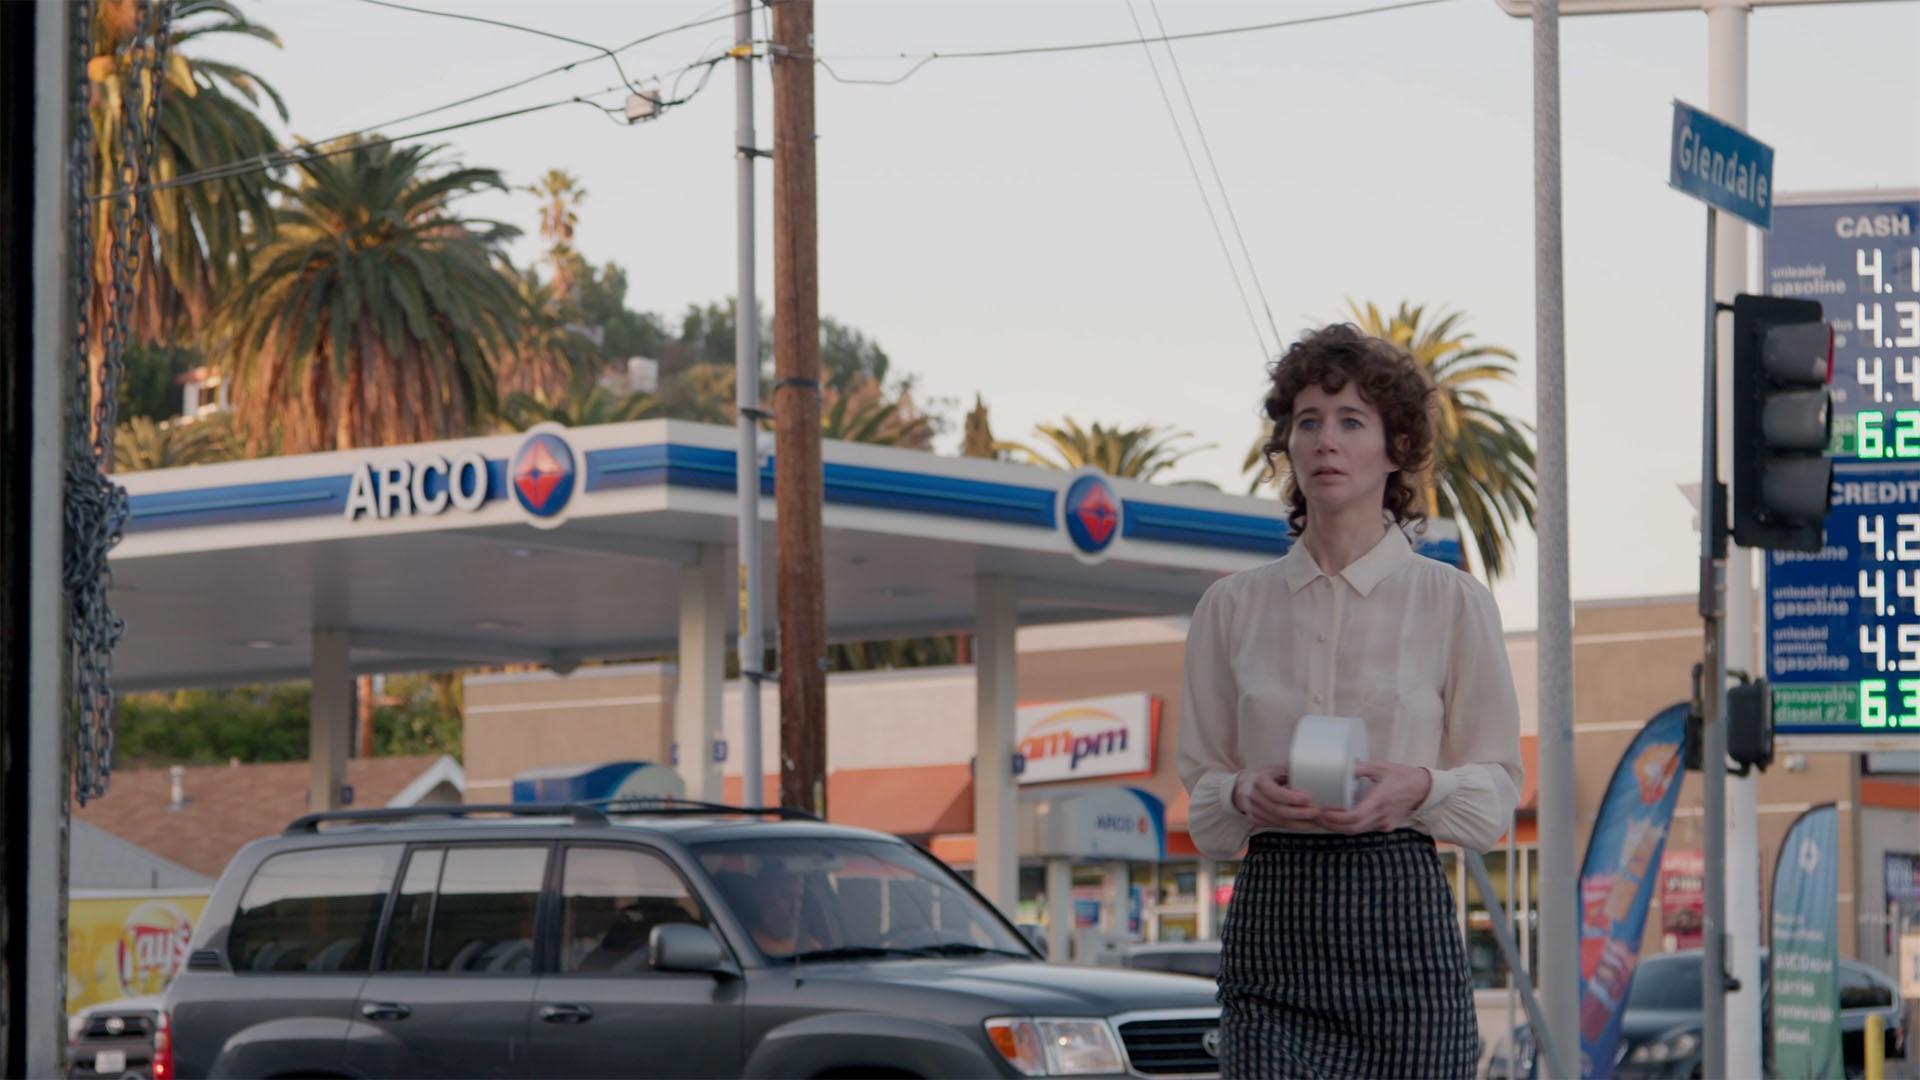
(624, 333)
(150, 385)
(552, 351)
(377, 314)
(140, 443)
(1483, 470)
(859, 410)
(1134, 453)
(200, 234)
(207, 727)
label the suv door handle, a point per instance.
(565, 1014)
(386, 1010)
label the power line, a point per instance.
(569, 66)
(1218, 181)
(311, 152)
(1200, 184)
(1034, 50)
(505, 25)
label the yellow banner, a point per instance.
(127, 946)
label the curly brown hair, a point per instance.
(1389, 379)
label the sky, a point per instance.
(1027, 228)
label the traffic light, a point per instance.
(1750, 725)
(1782, 479)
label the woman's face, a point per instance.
(1338, 449)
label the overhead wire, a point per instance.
(924, 59)
(1201, 186)
(311, 151)
(1219, 182)
(521, 27)
(306, 151)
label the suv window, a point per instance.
(610, 901)
(313, 911)
(412, 911)
(483, 914)
(1859, 990)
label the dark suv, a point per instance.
(658, 940)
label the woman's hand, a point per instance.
(1397, 791)
(1263, 795)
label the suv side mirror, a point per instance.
(685, 947)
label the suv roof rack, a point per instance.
(673, 804)
(581, 814)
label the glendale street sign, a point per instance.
(1721, 165)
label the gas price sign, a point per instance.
(1843, 623)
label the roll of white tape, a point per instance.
(1325, 750)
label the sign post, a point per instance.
(1843, 624)
(1729, 170)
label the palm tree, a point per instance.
(140, 443)
(562, 195)
(550, 352)
(861, 413)
(585, 405)
(377, 314)
(1483, 467)
(199, 235)
(1136, 453)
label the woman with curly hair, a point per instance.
(1340, 954)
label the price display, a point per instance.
(1843, 623)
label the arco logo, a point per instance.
(1092, 514)
(542, 476)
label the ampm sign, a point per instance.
(1721, 165)
(1074, 740)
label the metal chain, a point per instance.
(96, 507)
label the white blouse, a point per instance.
(1411, 646)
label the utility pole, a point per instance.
(746, 382)
(1559, 851)
(796, 403)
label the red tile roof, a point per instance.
(229, 806)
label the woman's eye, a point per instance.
(1308, 425)
(1352, 423)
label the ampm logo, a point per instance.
(542, 475)
(1076, 734)
(1091, 511)
(1073, 740)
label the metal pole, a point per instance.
(746, 377)
(1559, 842)
(37, 1029)
(1547, 1039)
(1727, 23)
(1713, 684)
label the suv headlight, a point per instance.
(1056, 1046)
(1667, 1048)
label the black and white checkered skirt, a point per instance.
(1341, 957)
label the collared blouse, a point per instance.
(1411, 646)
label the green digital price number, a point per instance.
(1880, 437)
(1875, 707)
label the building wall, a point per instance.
(536, 719)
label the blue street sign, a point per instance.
(1721, 165)
(1843, 623)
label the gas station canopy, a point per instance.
(558, 546)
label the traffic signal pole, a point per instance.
(1713, 686)
(1737, 830)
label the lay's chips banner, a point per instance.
(1617, 879)
(127, 946)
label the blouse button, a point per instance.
(1316, 699)
(1320, 637)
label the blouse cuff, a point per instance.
(1443, 785)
